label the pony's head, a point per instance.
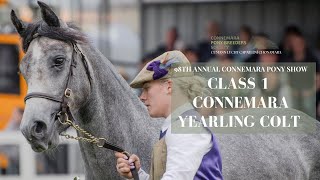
(51, 64)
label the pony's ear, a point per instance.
(18, 24)
(48, 15)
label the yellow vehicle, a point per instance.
(12, 86)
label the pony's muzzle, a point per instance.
(36, 134)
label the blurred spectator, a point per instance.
(15, 120)
(245, 35)
(172, 42)
(303, 93)
(317, 53)
(260, 42)
(277, 82)
(300, 51)
(204, 47)
(192, 54)
(285, 45)
(269, 59)
(317, 47)
(318, 105)
(221, 58)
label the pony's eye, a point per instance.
(58, 61)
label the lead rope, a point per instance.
(87, 137)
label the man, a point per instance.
(172, 41)
(205, 46)
(167, 94)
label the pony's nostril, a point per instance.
(39, 127)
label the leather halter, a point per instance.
(65, 109)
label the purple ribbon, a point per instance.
(158, 71)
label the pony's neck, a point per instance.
(113, 108)
(113, 112)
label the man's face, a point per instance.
(212, 29)
(155, 95)
(297, 44)
(244, 36)
(268, 58)
(171, 37)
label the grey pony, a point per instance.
(105, 106)
(277, 153)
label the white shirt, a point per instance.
(184, 151)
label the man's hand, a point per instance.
(124, 164)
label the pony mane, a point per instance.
(70, 34)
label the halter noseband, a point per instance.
(64, 109)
